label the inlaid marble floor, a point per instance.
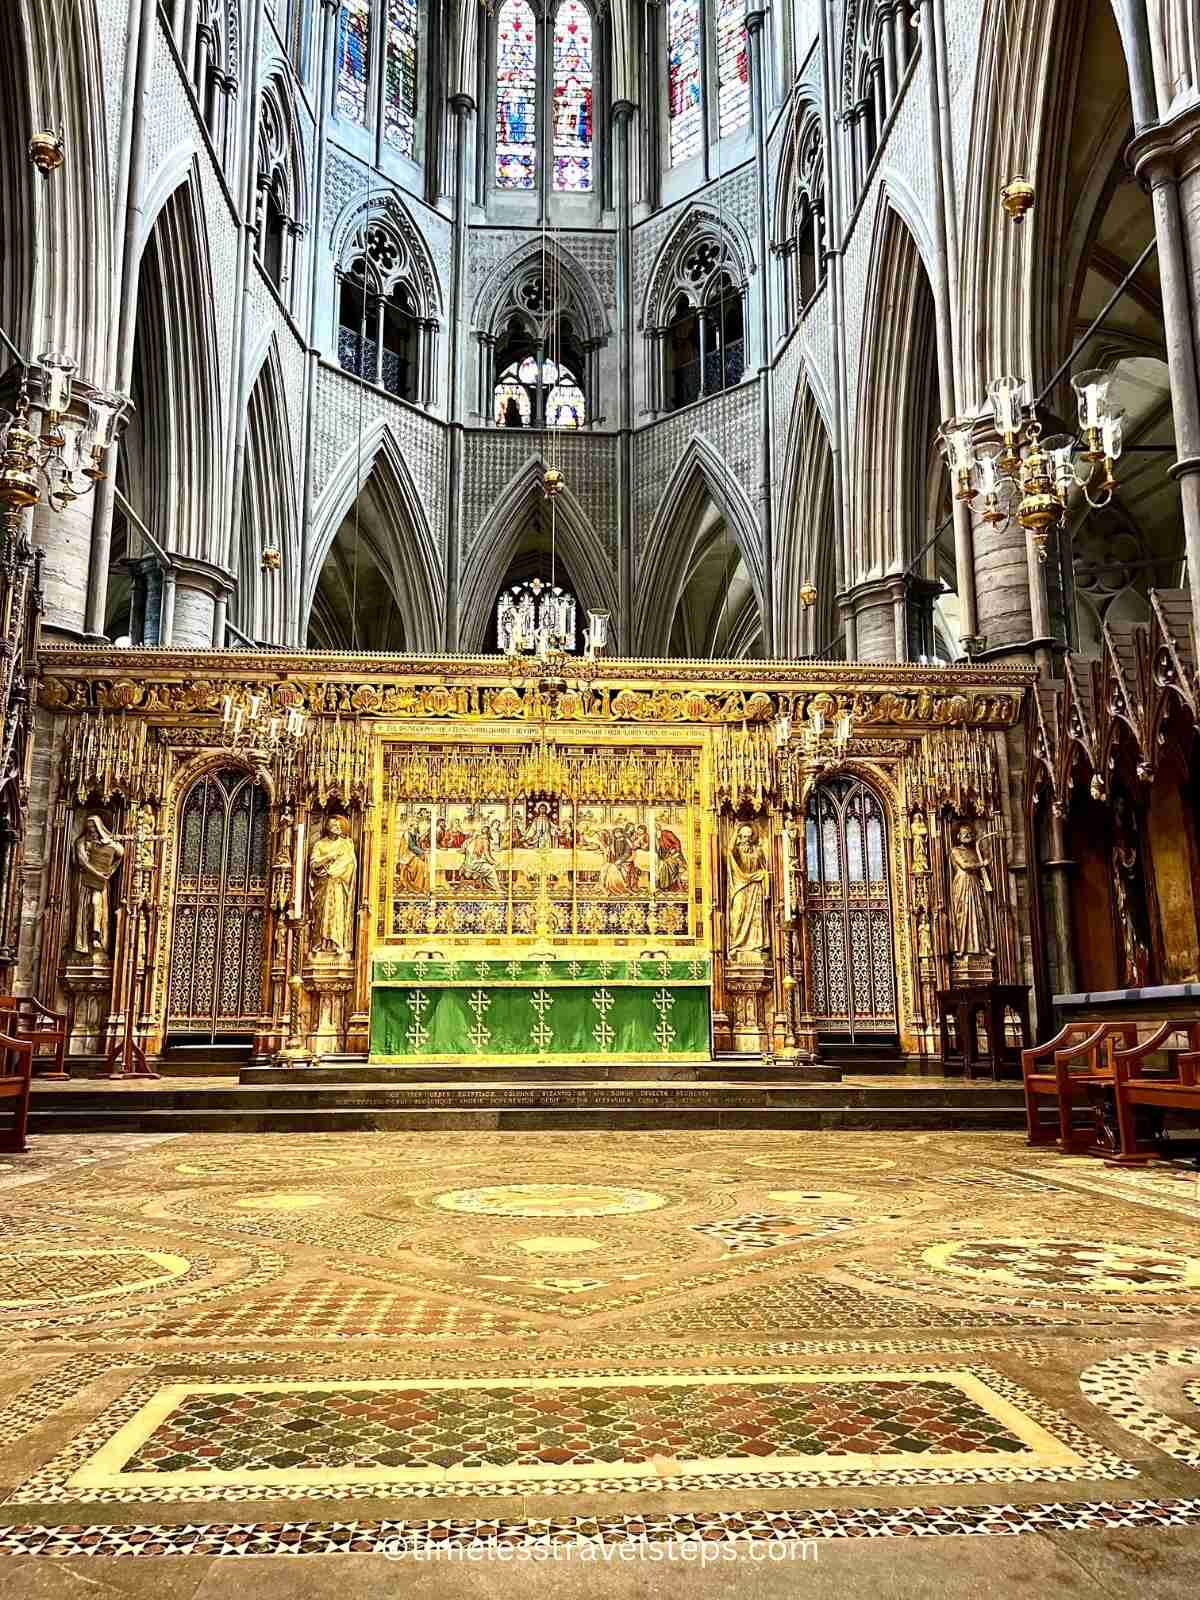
(292, 1344)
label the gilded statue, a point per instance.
(970, 902)
(332, 868)
(746, 910)
(1129, 891)
(97, 856)
(920, 845)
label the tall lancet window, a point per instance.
(516, 96)
(685, 107)
(573, 97)
(733, 70)
(353, 57)
(400, 77)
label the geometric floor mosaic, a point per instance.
(451, 1338)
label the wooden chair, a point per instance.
(1175, 1089)
(1041, 1086)
(46, 1031)
(1084, 1075)
(16, 1073)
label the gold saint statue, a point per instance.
(97, 856)
(332, 866)
(746, 911)
(970, 907)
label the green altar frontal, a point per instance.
(577, 1010)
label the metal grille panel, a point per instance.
(220, 908)
(850, 925)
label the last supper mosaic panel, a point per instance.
(588, 844)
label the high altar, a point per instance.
(659, 861)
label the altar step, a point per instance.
(507, 1104)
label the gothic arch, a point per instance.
(495, 544)
(579, 295)
(51, 77)
(177, 383)
(896, 411)
(680, 268)
(401, 256)
(412, 564)
(1025, 78)
(280, 148)
(807, 529)
(799, 209)
(264, 605)
(675, 533)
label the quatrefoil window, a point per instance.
(382, 250)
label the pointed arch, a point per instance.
(678, 530)
(51, 76)
(699, 225)
(401, 254)
(406, 551)
(178, 421)
(578, 293)
(265, 602)
(807, 529)
(577, 543)
(799, 208)
(898, 401)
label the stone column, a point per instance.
(1167, 160)
(197, 586)
(623, 113)
(463, 108)
(891, 76)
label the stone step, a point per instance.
(547, 1118)
(308, 1105)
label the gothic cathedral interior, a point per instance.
(623, 568)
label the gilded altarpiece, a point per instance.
(584, 861)
(660, 863)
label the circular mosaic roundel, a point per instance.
(42, 1278)
(1086, 1266)
(551, 1200)
(801, 1163)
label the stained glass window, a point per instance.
(565, 403)
(516, 96)
(683, 78)
(400, 77)
(573, 97)
(353, 54)
(512, 404)
(733, 69)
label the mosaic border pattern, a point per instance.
(1113, 1386)
(737, 1528)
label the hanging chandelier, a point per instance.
(66, 459)
(252, 726)
(1020, 474)
(822, 735)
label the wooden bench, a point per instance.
(1061, 1104)
(16, 1073)
(1137, 1090)
(45, 1030)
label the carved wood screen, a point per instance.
(216, 985)
(850, 934)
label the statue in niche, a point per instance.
(1129, 893)
(920, 845)
(970, 902)
(332, 868)
(97, 856)
(746, 918)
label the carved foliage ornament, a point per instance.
(903, 705)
